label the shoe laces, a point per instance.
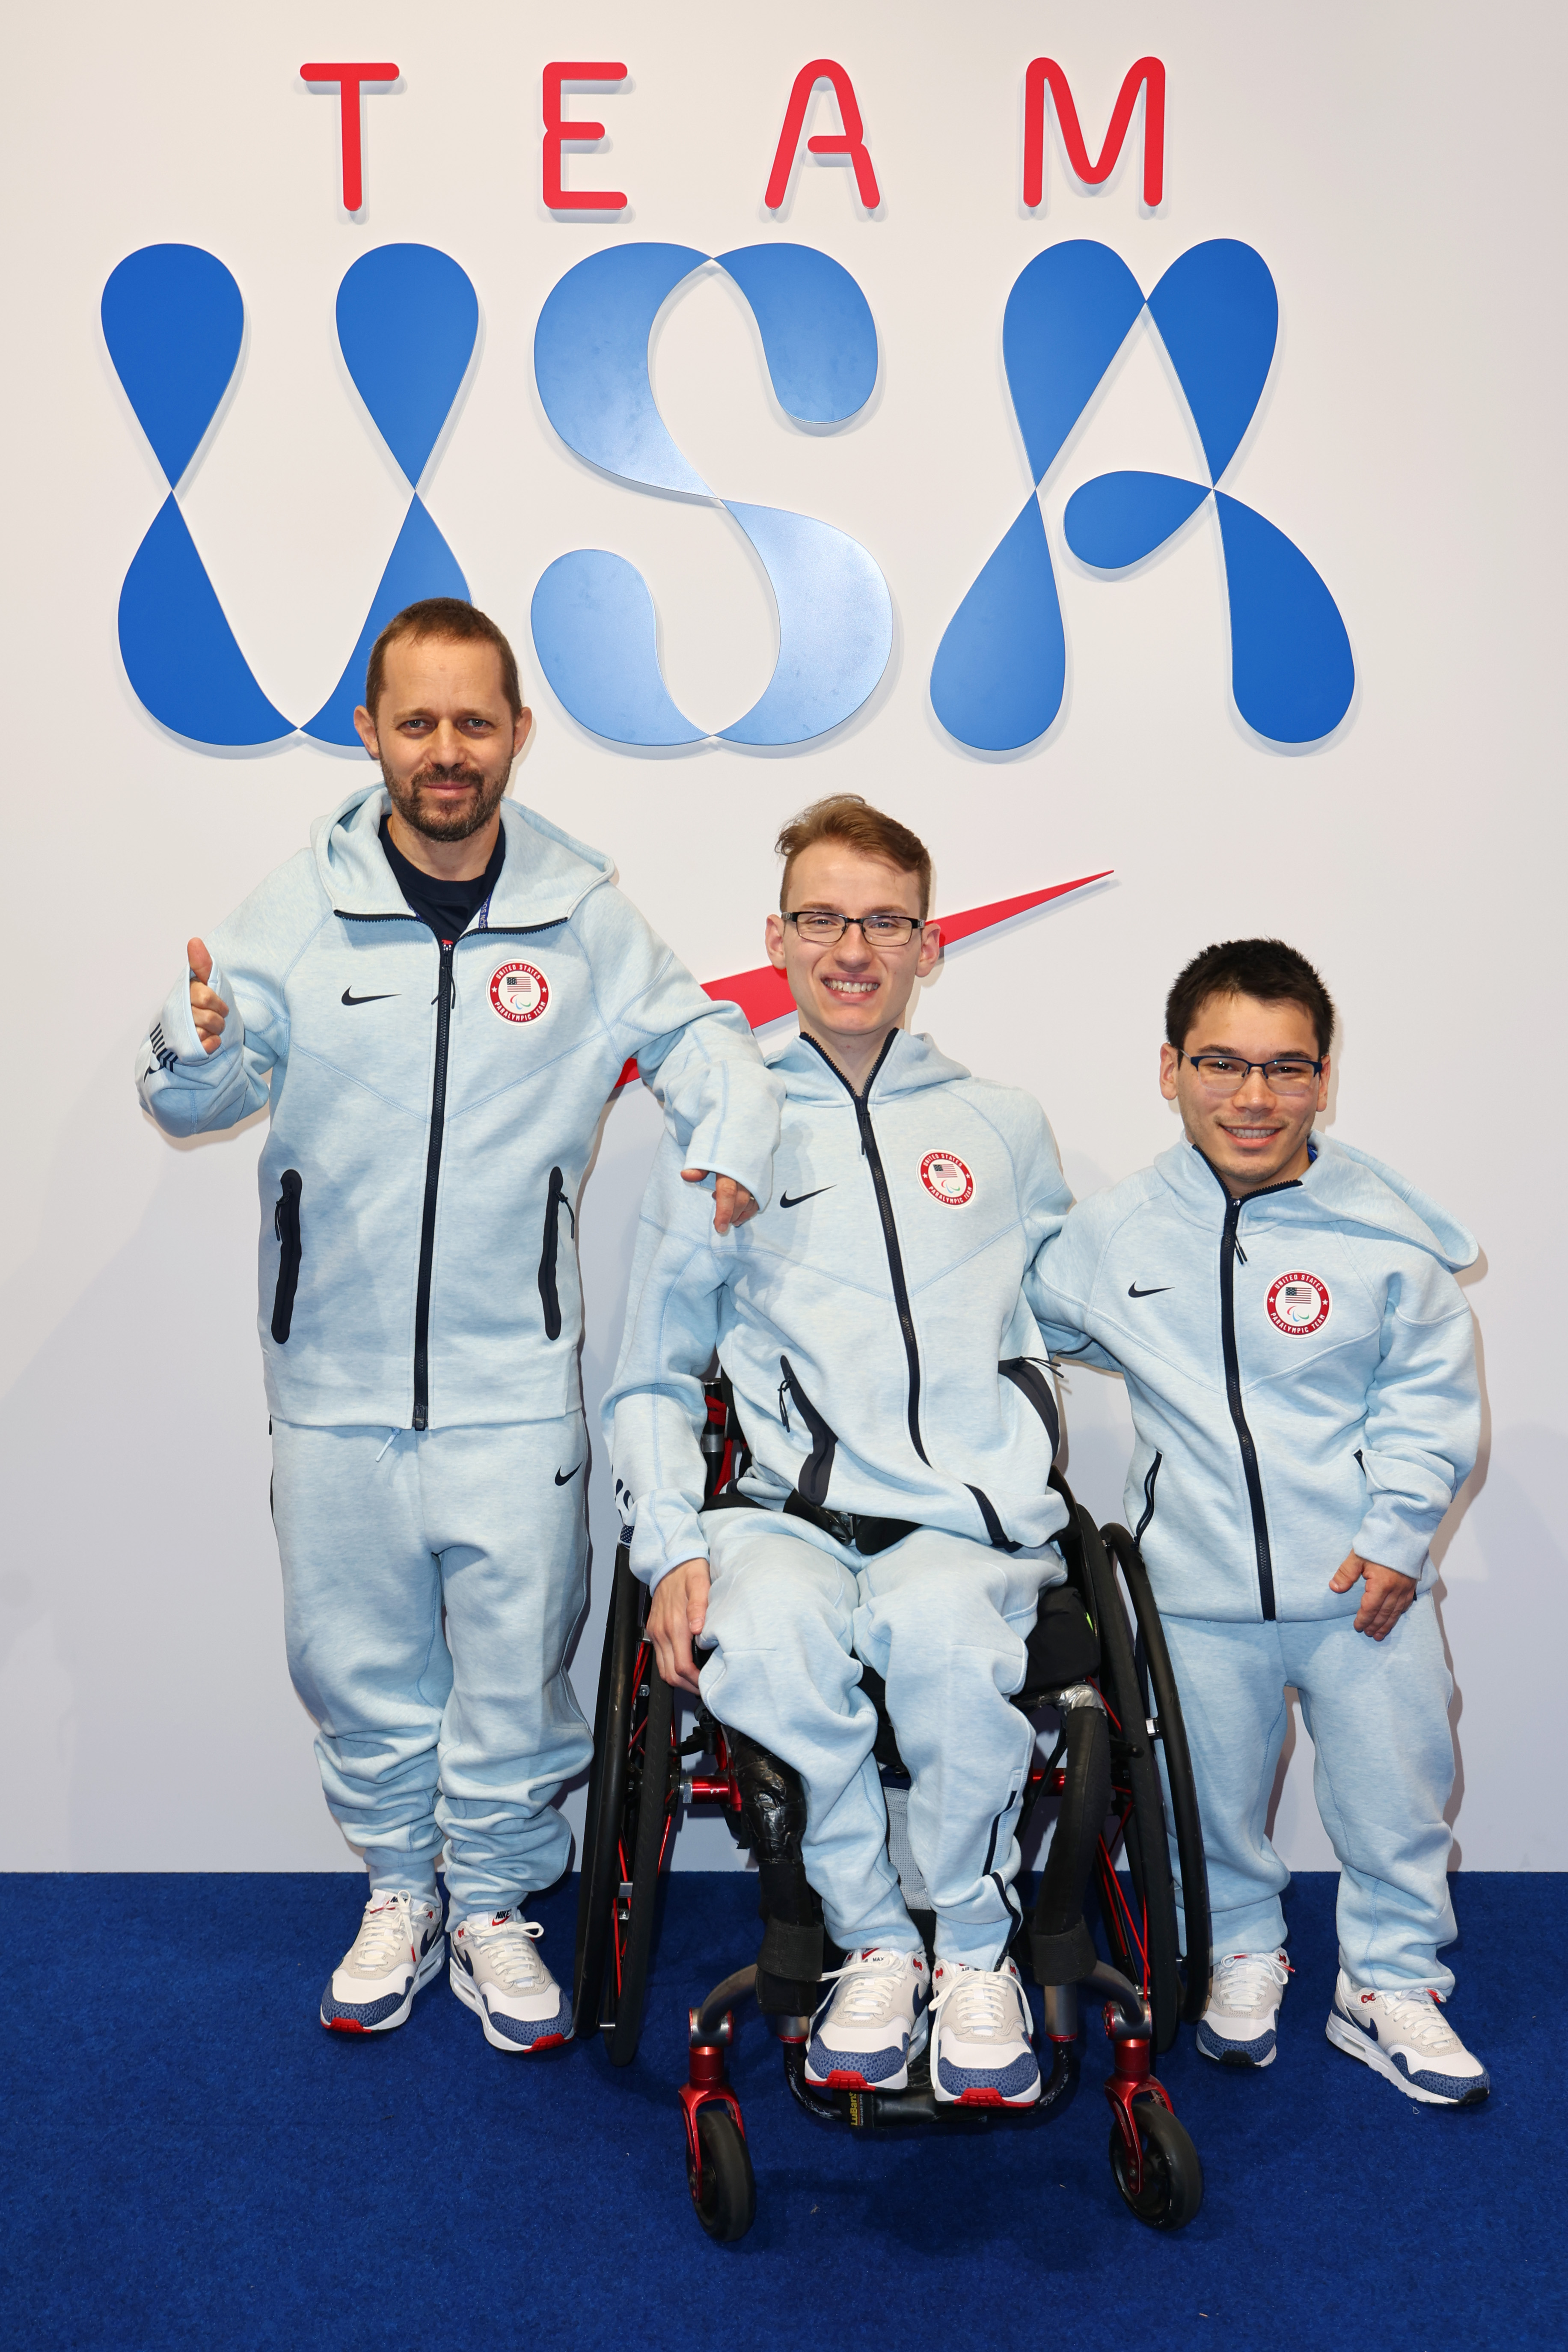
(1241, 1978)
(984, 2001)
(867, 1985)
(386, 1932)
(507, 1944)
(1417, 2015)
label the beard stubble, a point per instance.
(438, 825)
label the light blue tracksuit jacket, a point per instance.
(433, 1111)
(871, 1321)
(1300, 1369)
(885, 1364)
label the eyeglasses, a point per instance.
(825, 929)
(1226, 1074)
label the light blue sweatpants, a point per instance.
(790, 1615)
(431, 1582)
(1378, 1715)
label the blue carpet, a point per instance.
(188, 2159)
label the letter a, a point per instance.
(850, 141)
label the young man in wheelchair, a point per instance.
(1300, 1365)
(890, 1380)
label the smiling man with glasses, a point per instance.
(892, 1385)
(1300, 1367)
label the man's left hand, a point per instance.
(732, 1204)
(1387, 1596)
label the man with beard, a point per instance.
(434, 1001)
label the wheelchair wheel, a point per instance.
(724, 2198)
(647, 1816)
(1172, 2187)
(1142, 1933)
(1161, 1705)
(598, 1888)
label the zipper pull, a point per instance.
(784, 1406)
(1240, 1253)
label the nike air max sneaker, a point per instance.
(871, 2023)
(982, 2038)
(398, 1948)
(496, 1969)
(1239, 2026)
(1405, 2037)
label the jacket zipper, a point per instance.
(889, 1232)
(286, 1225)
(1141, 1529)
(549, 1288)
(446, 991)
(1229, 1250)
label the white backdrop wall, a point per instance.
(1395, 168)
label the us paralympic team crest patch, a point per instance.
(947, 1179)
(520, 991)
(1299, 1303)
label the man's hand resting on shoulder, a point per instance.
(732, 1204)
(1387, 1596)
(207, 1011)
(676, 1615)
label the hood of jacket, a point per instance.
(1346, 1186)
(908, 1066)
(544, 879)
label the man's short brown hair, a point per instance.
(447, 617)
(846, 817)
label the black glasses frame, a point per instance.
(1198, 1061)
(856, 922)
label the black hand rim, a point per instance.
(658, 1767)
(1133, 1760)
(606, 1798)
(1183, 1789)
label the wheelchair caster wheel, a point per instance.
(724, 2196)
(1172, 2188)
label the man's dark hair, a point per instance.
(446, 617)
(1266, 968)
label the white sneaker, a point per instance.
(982, 2041)
(1238, 2026)
(496, 1969)
(397, 1949)
(1406, 2037)
(871, 2023)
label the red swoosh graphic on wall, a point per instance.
(763, 994)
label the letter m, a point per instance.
(1148, 75)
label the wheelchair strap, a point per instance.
(865, 1536)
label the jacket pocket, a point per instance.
(1028, 1376)
(811, 1486)
(286, 1225)
(1154, 1473)
(549, 1289)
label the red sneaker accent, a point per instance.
(547, 2041)
(981, 2099)
(841, 2079)
(344, 2025)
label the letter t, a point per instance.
(350, 79)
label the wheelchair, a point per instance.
(1098, 1656)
